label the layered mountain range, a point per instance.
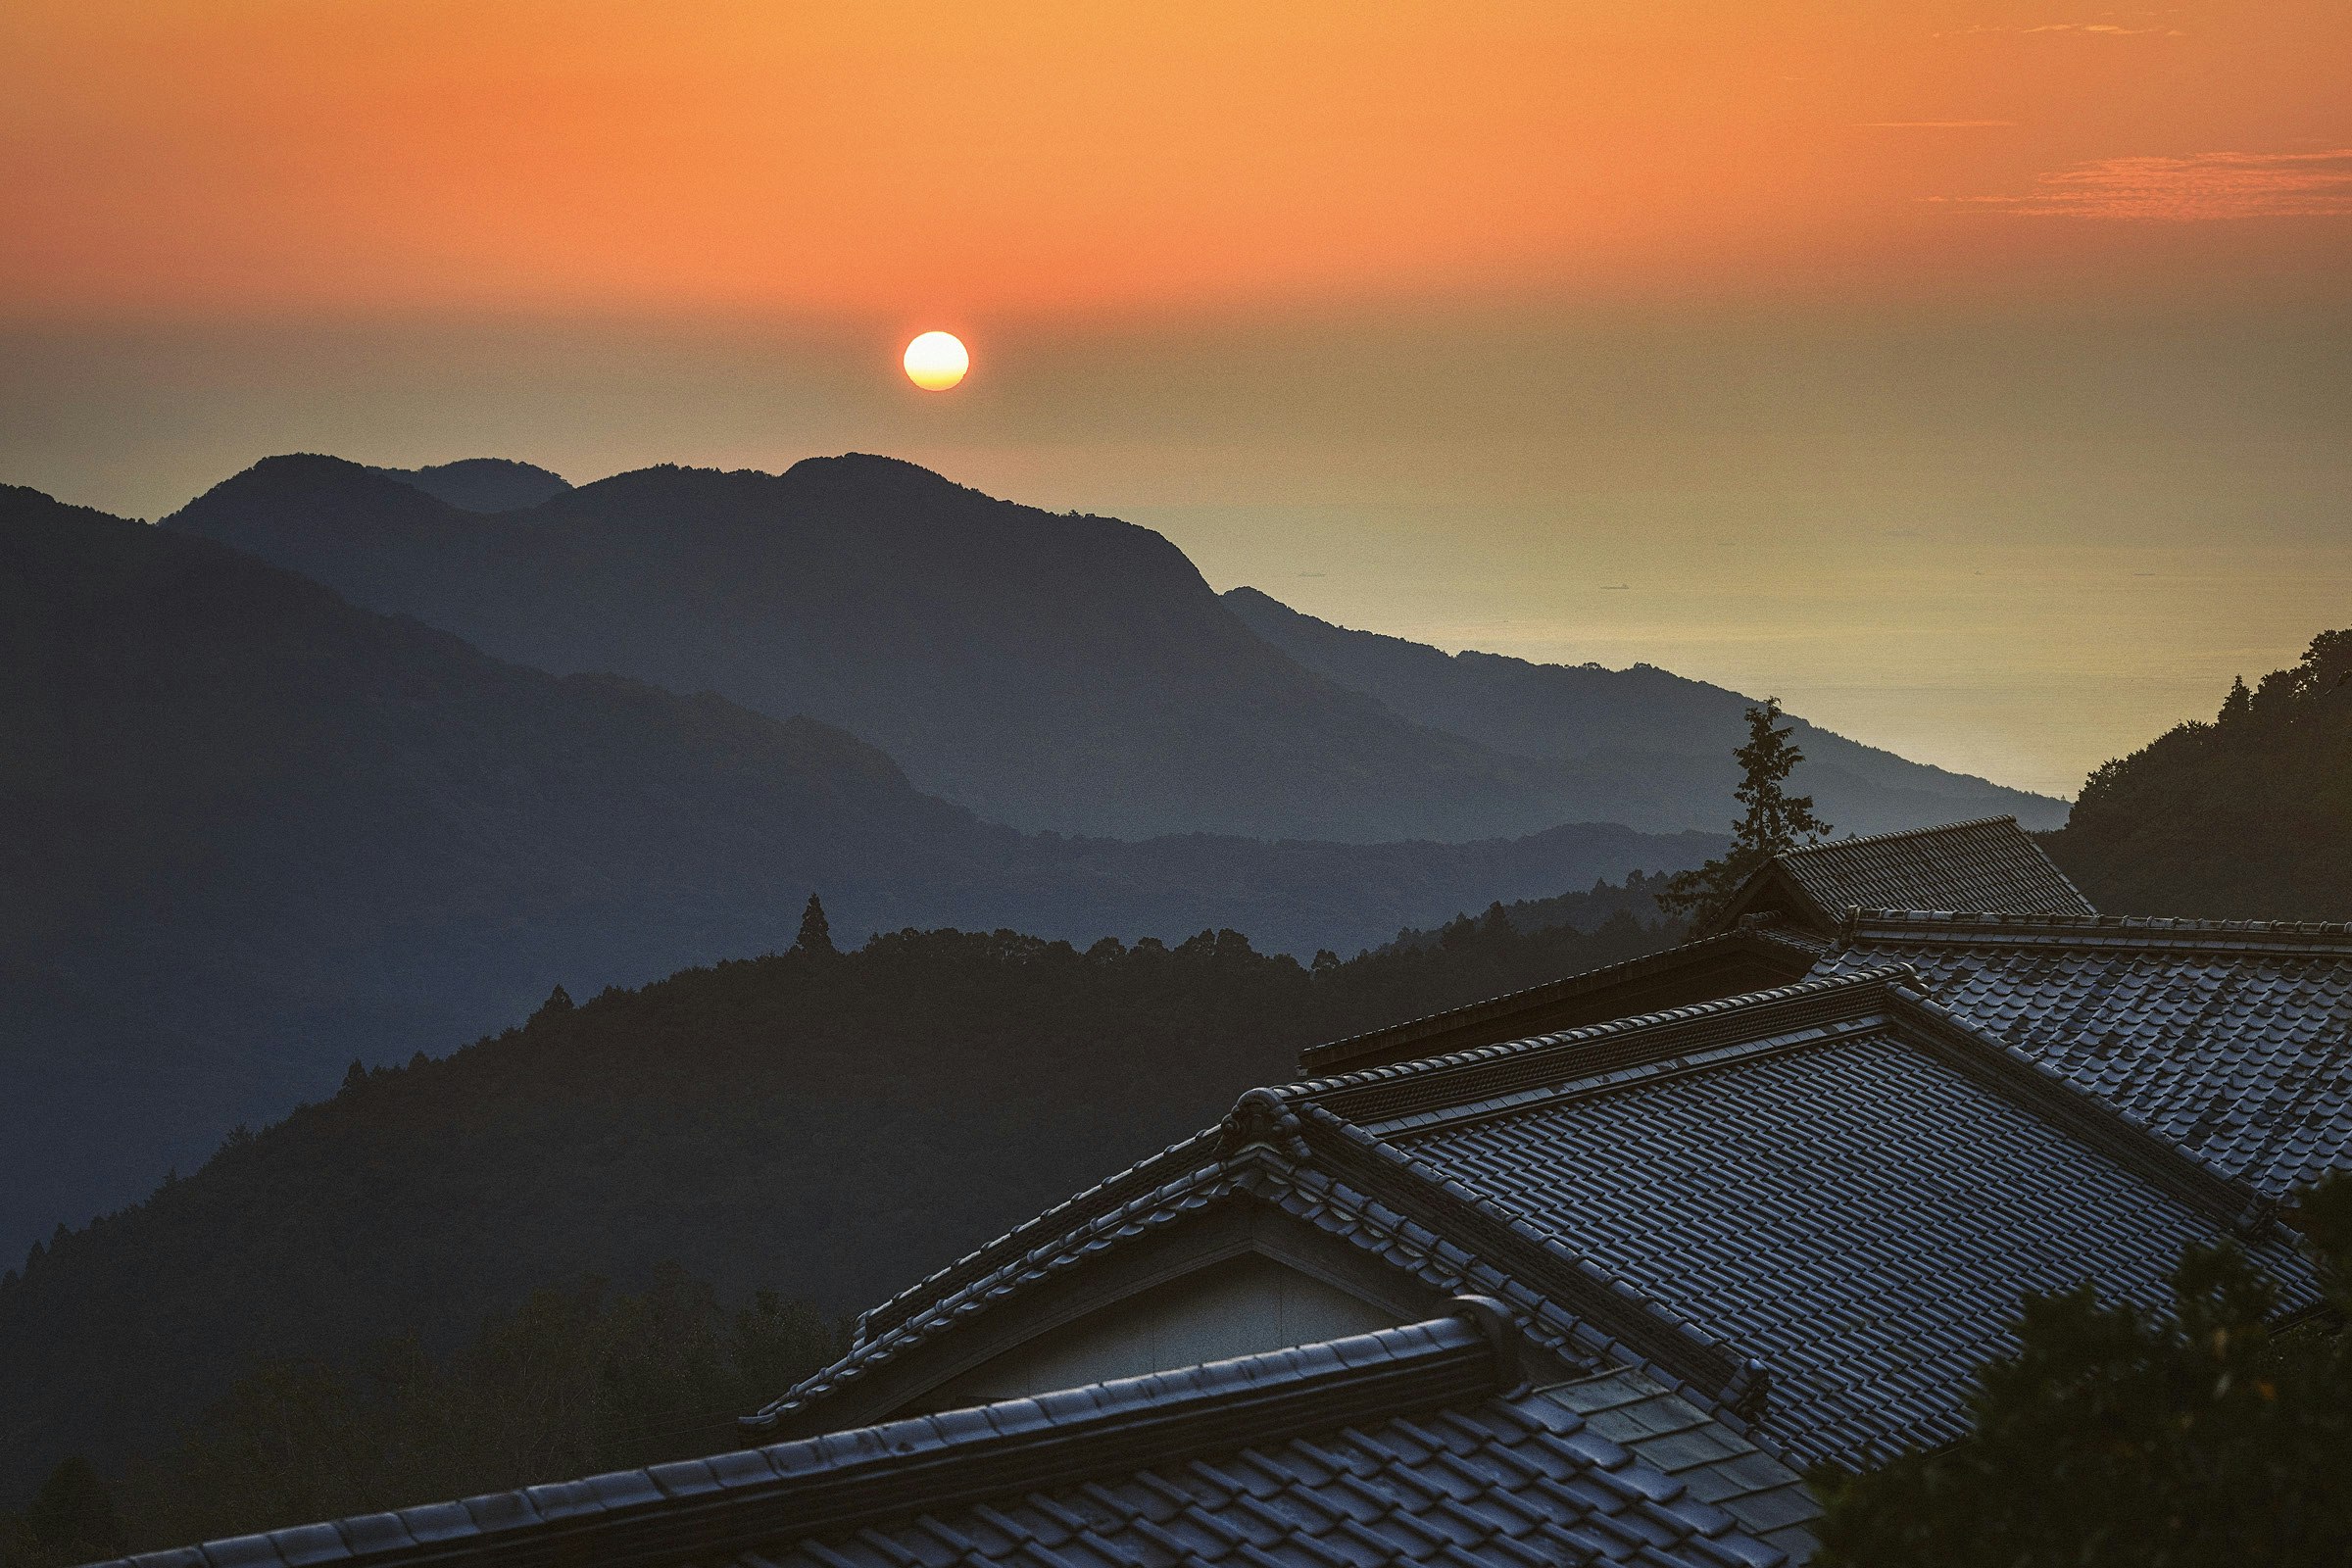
(1055, 672)
(258, 832)
(347, 763)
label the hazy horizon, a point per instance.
(1971, 375)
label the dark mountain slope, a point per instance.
(2247, 818)
(256, 833)
(834, 1125)
(483, 484)
(1656, 747)
(1054, 671)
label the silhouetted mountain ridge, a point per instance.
(1044, 670)
(1656, 746)
(257, 832)
(1050, 671)
(483, 484)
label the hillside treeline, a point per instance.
(2247, 816)
(831, 1126)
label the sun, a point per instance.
(937, 361)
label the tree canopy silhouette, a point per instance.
(816, 932)
(2122, 1439)
(1774, 820)
(2249, 816)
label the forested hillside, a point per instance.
(829, 1125)
(2247, 816)
(255, 832)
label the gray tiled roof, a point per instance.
(1809, 1211)
(1990, 863)
(1346, 1186)
(1859, 1209)
(1412, 1445)
(2231, 1038)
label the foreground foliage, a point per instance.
(2118, 1439)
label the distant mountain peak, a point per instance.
(483, 484)
(870, 475)
(1663, 741)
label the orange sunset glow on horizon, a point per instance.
(2003, 344)
(242, 155)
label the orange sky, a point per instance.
(1975, 374)
(974, 163)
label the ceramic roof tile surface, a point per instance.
(2230, 1038)
(1189, 1180)
(1411, 1445)
(1990, 863)
(1682, 1440)
(1855, 1210)
(1830, 1194)
(1511, 1481)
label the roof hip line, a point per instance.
(703, 1509)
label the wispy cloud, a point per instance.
(2112, 29)
(2199, 188)
(1931, 125)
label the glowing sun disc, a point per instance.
(936, 360)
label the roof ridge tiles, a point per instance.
(1052, 1220)
(1320, 1089)
(1863, 840)
(2154, 930)
(706, 1508)
(1747, 933)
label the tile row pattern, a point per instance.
(1405, 1446)
(1525, 1480)
(2232, 1040)
(1989, 863)
(1854, 1211)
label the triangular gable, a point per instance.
(1308, 1193)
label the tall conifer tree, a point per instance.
(1774, 821)
(817, 933)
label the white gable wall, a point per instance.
(1238, 1307)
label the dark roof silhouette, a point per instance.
(1757, 957)
(1810, 1211)
(1990, 863)
(1417, 1445)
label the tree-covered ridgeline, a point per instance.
(828, 1124)
(2249, 816)
(572, 1381)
